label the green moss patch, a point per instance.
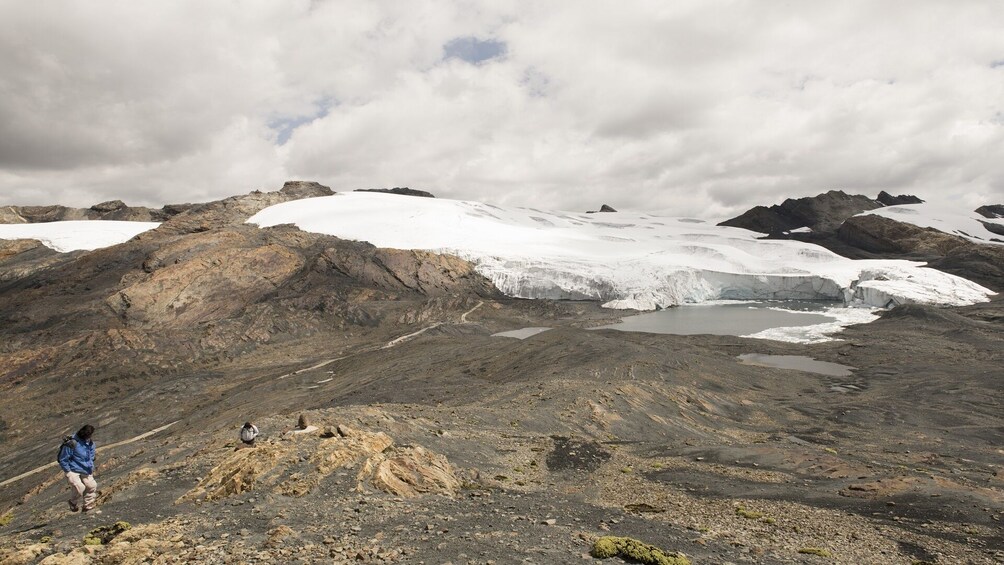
(6, 518)
(634, 550)
(748, 514)
(105, 534)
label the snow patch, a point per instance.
(78, 234)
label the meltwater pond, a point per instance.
(796, 363)
(785, 320)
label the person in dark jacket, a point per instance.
(76, 459)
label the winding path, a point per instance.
(404, 338)
(100, 449)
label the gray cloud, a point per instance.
(690, 108)
(473, 50)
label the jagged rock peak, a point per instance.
(603, 208)
(402, 190)
(890, 200)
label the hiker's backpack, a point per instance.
(67, 440)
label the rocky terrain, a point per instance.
(426, 440)
(833, 224)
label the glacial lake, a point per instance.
(796, 363)
(730, 318)
(794, 321)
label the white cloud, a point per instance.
(695, 108)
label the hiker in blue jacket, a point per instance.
(76, 459)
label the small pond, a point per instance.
(797, 363)
(521, 333)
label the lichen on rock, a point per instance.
(632, 549)
(104, 534)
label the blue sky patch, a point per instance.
(473, 50)
(284, 126)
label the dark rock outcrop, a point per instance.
(890, 200)
(992, 211)
(403, 191)
(822, 213)
(994, 228)
(603, 208)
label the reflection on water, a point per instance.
(798, 363)
(739, 318)
(521, 333)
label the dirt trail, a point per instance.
(100, 449)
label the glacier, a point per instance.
(624, 260)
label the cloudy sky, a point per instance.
(691, 108)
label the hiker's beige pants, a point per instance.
(83, 487)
